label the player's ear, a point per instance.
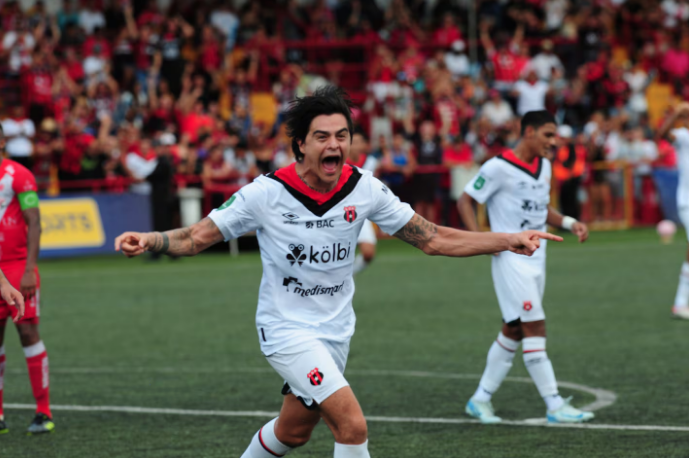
(300, 143)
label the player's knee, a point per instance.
(293, 436)
(354, 431)
(28, 335)
(296, 438)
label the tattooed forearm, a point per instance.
(187, 241)
(417, 232)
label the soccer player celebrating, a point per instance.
(516, 188)
(307, 218)
(680, 139)
(20, 221)
(367, 237)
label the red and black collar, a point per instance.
(317, 203)
(533, 169)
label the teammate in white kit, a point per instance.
(680, 139)
(515, 186)
(367, 240)
(307, 218)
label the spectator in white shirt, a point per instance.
(17, 46)
(530, 93)
(19, 132)
(496, 110)
(90, 17)
(546, 61)
(456, 60)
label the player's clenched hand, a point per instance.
(528, 242)
(132, 243)
(13, 297)
(27, 285)
(580, 230)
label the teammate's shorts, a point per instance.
(519, 285)
(683, 212)
(14, 272)
(367, 234)
(312, 370)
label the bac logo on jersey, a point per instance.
(350, 214)
(320, 224)
(315, 377)
(296, 255)
(480, 181)
(528, 306)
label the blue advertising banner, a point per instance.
(88, 224)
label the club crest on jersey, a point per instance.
(350, 214)
(296, 254)
(315, 377)
(528, 306)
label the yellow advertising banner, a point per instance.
(71, 223)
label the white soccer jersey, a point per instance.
(517, 195)
(308, 243)
(681, 144)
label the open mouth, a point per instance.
(331, 163)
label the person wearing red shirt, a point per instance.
(38, 85)
(448, 33)
(507, 65)
(20, 221)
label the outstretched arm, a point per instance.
(444, 241)
(555, 218)
(187, 241)
(664, 131)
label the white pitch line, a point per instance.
(265, 414)
(604, 398)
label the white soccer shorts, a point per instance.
(519, 285)
(367, 234)
(312, 370)
(684, 218)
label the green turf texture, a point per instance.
(181, 335)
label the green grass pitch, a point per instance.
(180, 335)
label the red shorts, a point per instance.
(14, 272)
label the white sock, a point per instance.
(541, 370)
(499, 363)
(682, 296)
(351, 451)
(359, 263)
(265, 444)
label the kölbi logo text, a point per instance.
(318, 290)
(334, 253)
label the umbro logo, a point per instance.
(290, 217)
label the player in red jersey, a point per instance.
(20, 231)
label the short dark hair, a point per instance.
(326, 100)
(537, 119)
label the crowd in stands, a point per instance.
(112, 88)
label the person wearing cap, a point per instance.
(568, 167)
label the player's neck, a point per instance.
(311, 180)
(523, 154)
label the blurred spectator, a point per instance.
(496, 110)
(531, 93)
(545, 62)
(456, 59)
(38, 87)
(19, 131)
(568, 168)
(458, 157)
(226, 22)
(67, 15)
(428, 151)
(448, 33)
(17, 46)
(90, 16)
(243, 161)
(397, 164)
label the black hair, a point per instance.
(537, 119)
(359, 131)
(326, 100)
